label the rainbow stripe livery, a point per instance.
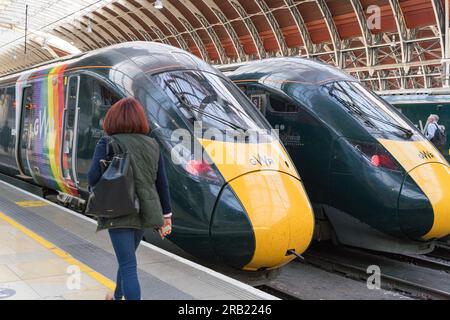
(45, 143)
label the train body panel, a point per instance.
(58, 114)
(277, 214)
(362, 162)
(282, 220)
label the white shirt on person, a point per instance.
(431, 130)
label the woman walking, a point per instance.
(127, 123)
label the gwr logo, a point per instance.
(426, 155)
(262, 160)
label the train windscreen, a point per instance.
(369, 109)
(211, 100)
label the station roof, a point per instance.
(388, 44)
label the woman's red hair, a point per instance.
(126, 116)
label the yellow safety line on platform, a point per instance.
(32, 203)
(60, 253)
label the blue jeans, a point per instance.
(125, 242)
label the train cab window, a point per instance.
(370, 110)
(206, 97)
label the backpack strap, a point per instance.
(112, 148)
(115, 146)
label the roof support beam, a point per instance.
(331, 26)
(162, 19)
(93, 43)
(78, 27)
(126, 16)
(188, 26)
(105, 30)
(97, 33)
(446, 80)
(254, 34)
(146, 21)
(301, 26)
(226, 24)
(210, 29)
(397, 65)
(106, 24)
(402, 29)
(64, 32)
(403, 34)
(273, 23)
(32, 57)
(365, 31)
(439, 12)
(117, 24)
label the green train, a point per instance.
(374, 180)
(418, 106)
(250, 214)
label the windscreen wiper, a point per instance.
(185, 102)
(352, 106)
(354, 109)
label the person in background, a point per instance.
(435, 132)
(127, 122)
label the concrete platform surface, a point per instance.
(50, 252)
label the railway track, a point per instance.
(416, 276)
(441, 251)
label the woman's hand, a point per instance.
(166, 229)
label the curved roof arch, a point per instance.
(387, 44)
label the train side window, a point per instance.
(278, 104)
(3, 105)
(71, 102)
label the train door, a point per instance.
(69, 141)
(95, 98)
(26, 126)
(8, 129)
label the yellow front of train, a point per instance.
(264, 181)
(424, 201)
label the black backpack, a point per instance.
(440, 137)
(114, 194)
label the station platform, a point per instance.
(50, 252)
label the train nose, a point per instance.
(424, 203)
(259, 217)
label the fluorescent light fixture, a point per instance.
(45, 44)
(89, 26)
(158, 4)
